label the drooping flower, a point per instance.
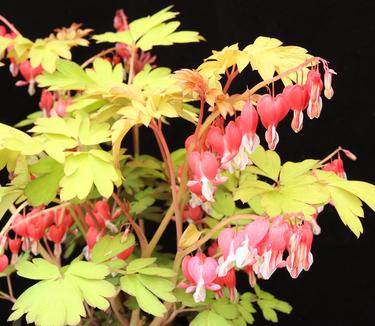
(314, 86)
(228, 281)
(239, 249)
(248, 122)
(46, 102)
(201, 272)
(336, 166)
(205, 174)
(271, 111)
(193, 214)
(29, 74)
(299, 241)
(274, 246)
(297, 98)
(4, 262)
(14, 247)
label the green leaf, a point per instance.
(226, 309)
(224, 203)
(246, 314)
(140, 263)
(147, 301)
(268, 304)
(159, 271)
(141, 205)
(267, 163)
(110, 246)
(186, 299)
(268, 312)
(160, 287)
(43, 189)
(127, 284)
(209, 318)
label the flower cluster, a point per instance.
(53, 226)
(258, 249)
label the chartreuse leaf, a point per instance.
(38, 269)
(18, 141)
(220, 61)
(110, 246)
(267, 163)
(209, 318)
(291, 170)
(84, 169)
(346, 196)
(147, 32)
(8, 195)
(68, 76)
(57, 300)
(43, 189)
(268, 56)
(47, 52)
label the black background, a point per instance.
(339, 288)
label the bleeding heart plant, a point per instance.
(77, 202)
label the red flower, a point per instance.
(271, 111)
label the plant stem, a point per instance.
(98, 55)
(9, 25)
(328, 157)
(117, 309)
(135, 130)
(286, 73)
(10, 287)
(159, 232)
(141, 237)
(8, 224)
(134, 317)
(172, 179)
(44, 253)
(77, 220)
(233, 74)
(7, 297)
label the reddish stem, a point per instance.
(9, 25)
(169, 162)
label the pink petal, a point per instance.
(224, 241)
(256, 231)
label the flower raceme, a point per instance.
(258, 249)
